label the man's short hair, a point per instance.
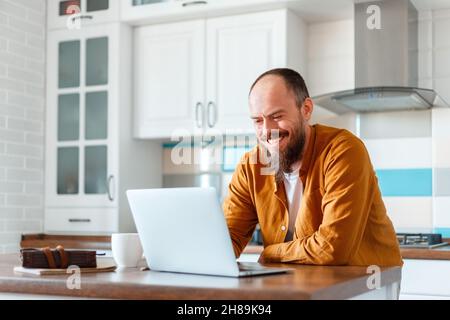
(293, 80)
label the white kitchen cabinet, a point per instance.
(143, 12)
(425, 279)
(91, 158)
(169, 83)
(74, 14)
(194, 76)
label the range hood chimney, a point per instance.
(386, 62)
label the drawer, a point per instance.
(426, 277)
(81, 220)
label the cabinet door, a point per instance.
(81, 163)
(169, 83)
(239, 48)
(75, 14)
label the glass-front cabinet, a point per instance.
(74, 14)
(81, 153)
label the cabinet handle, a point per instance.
(108, 185)
(198, 107)
(212, 105)
(82, 17)
(79, 220)
(194, 3)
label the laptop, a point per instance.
(184, 230)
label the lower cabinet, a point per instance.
(425, 279)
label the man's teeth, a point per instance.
(273, 141)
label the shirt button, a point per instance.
(283, 228)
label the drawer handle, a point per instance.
(213, 122)
(79, 220)
(82, 17)
(194, 3)
(110, 183)
(199, 107)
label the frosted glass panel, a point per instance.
(95, 170)
(97, 61)
(67, 170)
(97, 115)
(68, 117)
(97, 5)
(69, 64)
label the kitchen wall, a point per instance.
(408, 149)
(22, 99)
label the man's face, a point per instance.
(273, 107)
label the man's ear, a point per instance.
(307, 109)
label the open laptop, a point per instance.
(184, 230)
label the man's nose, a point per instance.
(268, 128)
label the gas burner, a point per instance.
(420, 240)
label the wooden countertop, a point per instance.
(439, 253)
(303, 282)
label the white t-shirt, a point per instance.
(294, 191)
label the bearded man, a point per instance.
(322, 204)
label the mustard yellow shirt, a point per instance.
(342, 218)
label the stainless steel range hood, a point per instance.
(386, 63)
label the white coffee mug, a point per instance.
(126, 249)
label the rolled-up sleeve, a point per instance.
(346, 204)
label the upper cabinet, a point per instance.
(74, 14)
(194, 77)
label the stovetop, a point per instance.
(420, 240)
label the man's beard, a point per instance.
(292, 153)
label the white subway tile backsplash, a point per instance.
(425, 35)
(12, 85)
(25, 125)
(26, 51)
(2, 68)
(12, 35)
(441, 152)
(12, 213)
(404, 153)
(11, 187)
(2, 121)
(24, 200)
(441, 212)
(27, 27)
(11, 111)
(9, 237)
(23, 226)
(33, 213)
(34, 188)
(391, 125)
(31, 163)
(34, 139)
(12, 59)
(12, 135)
(31, 77)
(24, 150)
(441, 120)
(409, 212)
(442, 86)
(442, 63)
(11, 161)
(425, 64)
(9, 8)
(440, 33)
(24, 175)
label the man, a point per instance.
(322, 205)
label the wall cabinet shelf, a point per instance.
(88, 140)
